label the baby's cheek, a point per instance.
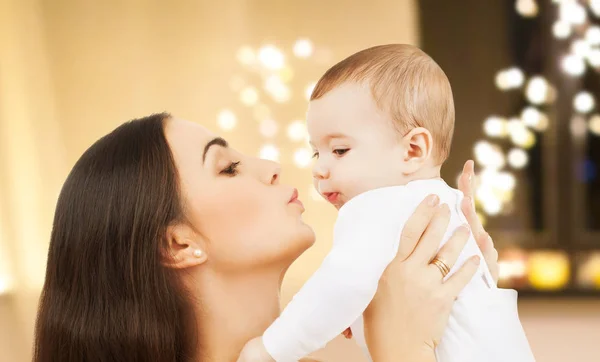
(356, 184)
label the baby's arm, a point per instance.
(366, 239)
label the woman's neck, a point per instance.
(234, 309)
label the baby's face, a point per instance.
(355, 145)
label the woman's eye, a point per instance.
(231, 169)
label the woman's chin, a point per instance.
(309, 236)
(303, 239)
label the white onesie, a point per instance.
(484, 323)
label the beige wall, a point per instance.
(70, 71)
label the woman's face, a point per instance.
(242, 213)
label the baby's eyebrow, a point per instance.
(329, 137)
(335, 135)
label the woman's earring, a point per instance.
(197, 253)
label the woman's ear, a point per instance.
(418, 146)
(184, 249)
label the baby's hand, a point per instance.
(255, 351)
(347, 333)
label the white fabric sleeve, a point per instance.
(366, 238)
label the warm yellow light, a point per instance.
(510, 78)
(509, 269)
(589, 272)
(6, 285)
(488, 155)
(486, 196)
(502, 80)
(583, 102)
(269, 152)
(268, 128)
(271, 57)
(303, 48)
(297, 131)
(303, 157)
(572, 12)
(527, 8)
(512, 267)
(581, 48)
(594, 124)
(517, 158)
(522, 137)
(505, 181)
(277, 89)
(226, 120)
(495, 126)
(495, 160)
(492, 206)
(592, 35)
(548, 270)
(595, 6)
(573, 65)
(537, 90)
(286, 74)
(561, 29)
(282, 95)
(249, 96)
(593, 57)
(535, 119)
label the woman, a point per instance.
(168, 245)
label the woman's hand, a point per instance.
(466, 184)
(409, 313)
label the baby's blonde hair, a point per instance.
(406, 83)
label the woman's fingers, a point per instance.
(466, 184)
(490, 254)
(462, 277)
(416, 225)
(433, 235)
(449, 253)
(468, 208)
(466, 178)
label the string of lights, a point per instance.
(509, 138)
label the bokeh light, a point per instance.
(226, 120)
(269, 152)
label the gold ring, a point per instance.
(441, 265)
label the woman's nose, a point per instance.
(271, 171)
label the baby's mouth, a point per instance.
(332, 197)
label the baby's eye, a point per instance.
(315, 154)
(341, 151)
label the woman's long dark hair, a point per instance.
(107, 295)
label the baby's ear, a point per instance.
(418, 146)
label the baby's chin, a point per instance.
(338, 202)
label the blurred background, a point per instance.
(525, 82)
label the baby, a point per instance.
(381, 124)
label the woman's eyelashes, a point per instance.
(231, 170)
